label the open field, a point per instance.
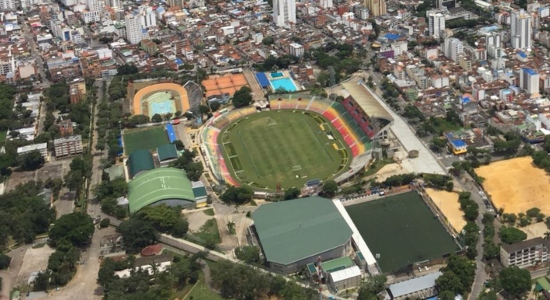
(516, 185)
(448, 203)
(201, 291)
(402, 230)
(283, 147)
(535, 230)
(147, 138)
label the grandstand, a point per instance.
(351, 120)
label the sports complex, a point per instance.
(408, 223)
(155, 97)
(295, 138)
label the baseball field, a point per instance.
(401, 230)
(516, 185)
(147, 138)
(283, 147)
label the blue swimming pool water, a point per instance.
(276, 74)
(285, 83)
(161, 108)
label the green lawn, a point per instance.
(283, 147)
(201, 292)
(209, 232)
(148, 138)
(3, 135)
(402, 229)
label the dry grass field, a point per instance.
(516, 185)
(447, 202)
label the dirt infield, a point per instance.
(447, 202)
(516, 185)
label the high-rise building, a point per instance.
(453, 48)
(8, 5)
(134, 32)
(529, 80)
(284, 13)
(94, 5)
(436, 23)
(376, 7)
(446, 4)
(520, 29)
(326, 3)
(148, 17)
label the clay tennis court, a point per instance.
(448, 203)
(516, 185)
(230, 83)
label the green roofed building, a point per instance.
(140, 161)
(166, 154)
(295, 233)
(168, 186)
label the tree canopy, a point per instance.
(137, 234)
(237, 195)
(511, 235)
(458, 275)
(292, 193)
(242, 97)
(30, 161)
(515, 281)
(329, 189)
(76, 228)
(248, 254)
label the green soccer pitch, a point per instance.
(283, 147)
(146, 138)
(402, 229)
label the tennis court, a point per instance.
(285, 147)
(402, 230)
(148, 138)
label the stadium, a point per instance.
(344, 134)
(150, 97)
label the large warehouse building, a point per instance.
(168, 186)
(295, 233)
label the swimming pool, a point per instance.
(283, 83)
(276, 74)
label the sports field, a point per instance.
(516, 185)
(284, 147)
(148, 138)
(402, 230)
(448, 203)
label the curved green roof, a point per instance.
(157, 185)
(140, 160)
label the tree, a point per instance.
(463, 269)
(76, 228)
(137, 234)
(248, 254)
(450, 282)
(292, 193)
(242, 97)
(127, 70)
(533, 212)
(439, 143)
(515, 281)
(194, 171)
(511, 235)
(4, 261)
(105, 223)
(31, 161)
(372, 287)
(237, 195)
(156, 118)
(330, 187)
(446, 295)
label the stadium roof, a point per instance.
(293, 230)
(414, 285)
(159, 184)
(167, 151)
(140, 160)
(366, 99)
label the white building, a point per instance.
(520, 29)
(94, 5)
(42, 148)
(134, 32)
(529, 80)
(436, 23)
(345, 279)
(326, 3)
(296, 49)
(453, 48)
(8, 5)
(284, 13)
(148, 17)
(525, 253)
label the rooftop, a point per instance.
(293, 230)
(140, 160)
(414, 285)
(524, 244)
(167, 151)
(337, 264)
(157, 185)
(345, 274)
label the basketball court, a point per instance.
(226, 84)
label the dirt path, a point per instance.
(257, 92)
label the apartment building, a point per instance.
(525, 253)
(68, 146)
(42, 148)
